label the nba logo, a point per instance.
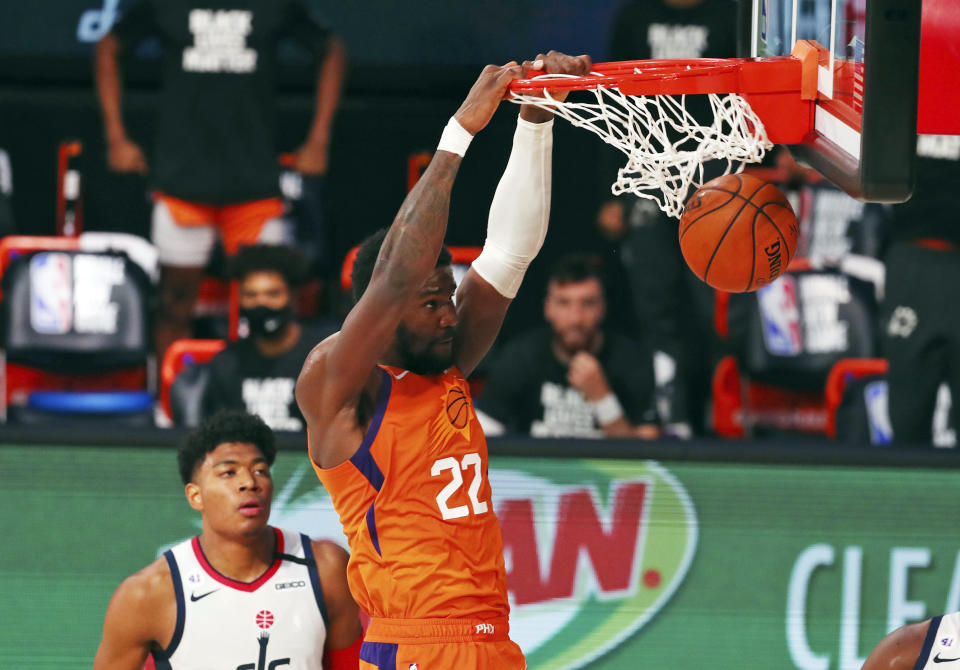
(51, 294)
(413, 666)
(780, 317)
(878, 415)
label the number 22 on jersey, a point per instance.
(450, 463)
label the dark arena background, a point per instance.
(774, 522)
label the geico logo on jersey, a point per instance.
(484, 628)
(280, 586)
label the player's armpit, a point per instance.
(334, 424)
(344, 631)
(141, 614)
(900, 649)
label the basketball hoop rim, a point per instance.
(679, 77)
(640, 107)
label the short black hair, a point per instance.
(227, 425)
(286, 261)
(366, 259)
(577, 268)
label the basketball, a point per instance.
(458, 411)
(738, 233)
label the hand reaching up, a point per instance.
(554, 62)
(485, 95)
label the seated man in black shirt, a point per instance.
(258, 372)
(574, 379)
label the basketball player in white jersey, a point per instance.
(934, 643)
(242, 595)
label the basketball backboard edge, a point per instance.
(865, 133)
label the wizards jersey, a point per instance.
(276, 621)
(414, 501)
(942, 643)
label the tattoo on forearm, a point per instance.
(411, 247)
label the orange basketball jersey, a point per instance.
(414, 501)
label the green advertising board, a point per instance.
(611, 563)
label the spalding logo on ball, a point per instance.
(738, 233)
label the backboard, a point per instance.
(865, 126)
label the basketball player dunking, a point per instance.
(242, 594)
(393, 435)
(919, 646)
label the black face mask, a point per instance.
(266, 322)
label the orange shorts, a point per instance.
(435, 644)
(239, 224)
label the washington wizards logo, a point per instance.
(264, 620)
(458, 407)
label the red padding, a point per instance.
(939, 94)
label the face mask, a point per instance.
(266, 322)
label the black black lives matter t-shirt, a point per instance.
(216, 125)
(242, 378)
(654, 29)
(931, 212)
(645, 29)
(528, 391)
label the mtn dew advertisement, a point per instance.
(592, 553)
(610, 563)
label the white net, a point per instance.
(666, 146)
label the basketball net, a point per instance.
(665, 145)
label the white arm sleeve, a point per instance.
(520, 209)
